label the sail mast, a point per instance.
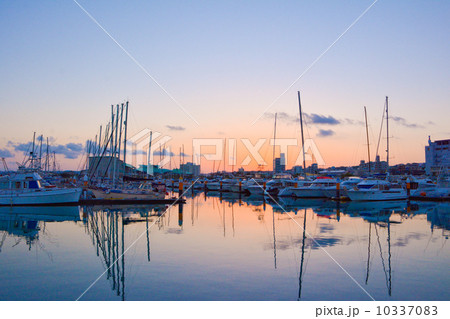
(149, 155)
(274, 137)
(367, 133)
(387, 135)
(125, 139)
(32, 151)
(301, 127)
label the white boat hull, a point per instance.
(302, 192)
(376, 195)
(41, 197)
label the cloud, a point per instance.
(175, 128)
(5, 153)
(70, 150)
(402, 121)
(163, 153)
(322, 119)
(74, 147)
(325, 133)
(313, 118)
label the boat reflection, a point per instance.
(28, 222)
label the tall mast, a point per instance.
(149, 154)
(46, 158)
(116, 133)
(301, 127)
(120, 139)
(99, 142)
(387, 134)
(32, 151)
(224, 153)
(274, 137)
(40, 151)
(112, 128)
(367, 133)
(125, 139)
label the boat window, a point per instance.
(365, 186)
(33, 184)
(18, 184)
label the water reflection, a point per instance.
(243, 244)
(25, 223)
(106, 227)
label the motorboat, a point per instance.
(26, 187)
(377, 190)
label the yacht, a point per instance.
(27, 188)
(314, 190)
(330, 192)
(374, 190)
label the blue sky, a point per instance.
(225, 62)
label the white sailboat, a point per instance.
(378, 190)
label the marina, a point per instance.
(225, 151)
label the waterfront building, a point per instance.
(106, 166)
(190, 169)
(280, 164)
(437, 156)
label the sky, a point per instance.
(208, 70)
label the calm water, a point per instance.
(216, 248)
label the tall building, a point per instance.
(280, 164)
(437, 156)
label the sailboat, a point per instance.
(378, 190)
(293, 191)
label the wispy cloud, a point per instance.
(321, 119)
(5, 153)
(403, 122)
(163, 153)
(69, 150)
(175, 128)
(325, 133)
(313, 118)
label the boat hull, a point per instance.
(41, 197)
(100, 194)
(376, 195)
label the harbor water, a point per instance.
(227, 248)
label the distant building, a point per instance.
(375, 167)
(313, 169)
(280, 164)
(437, 156)
(379, 166)
(190, 169)
(297, 170)
(106, 167)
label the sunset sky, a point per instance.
(209, 69)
